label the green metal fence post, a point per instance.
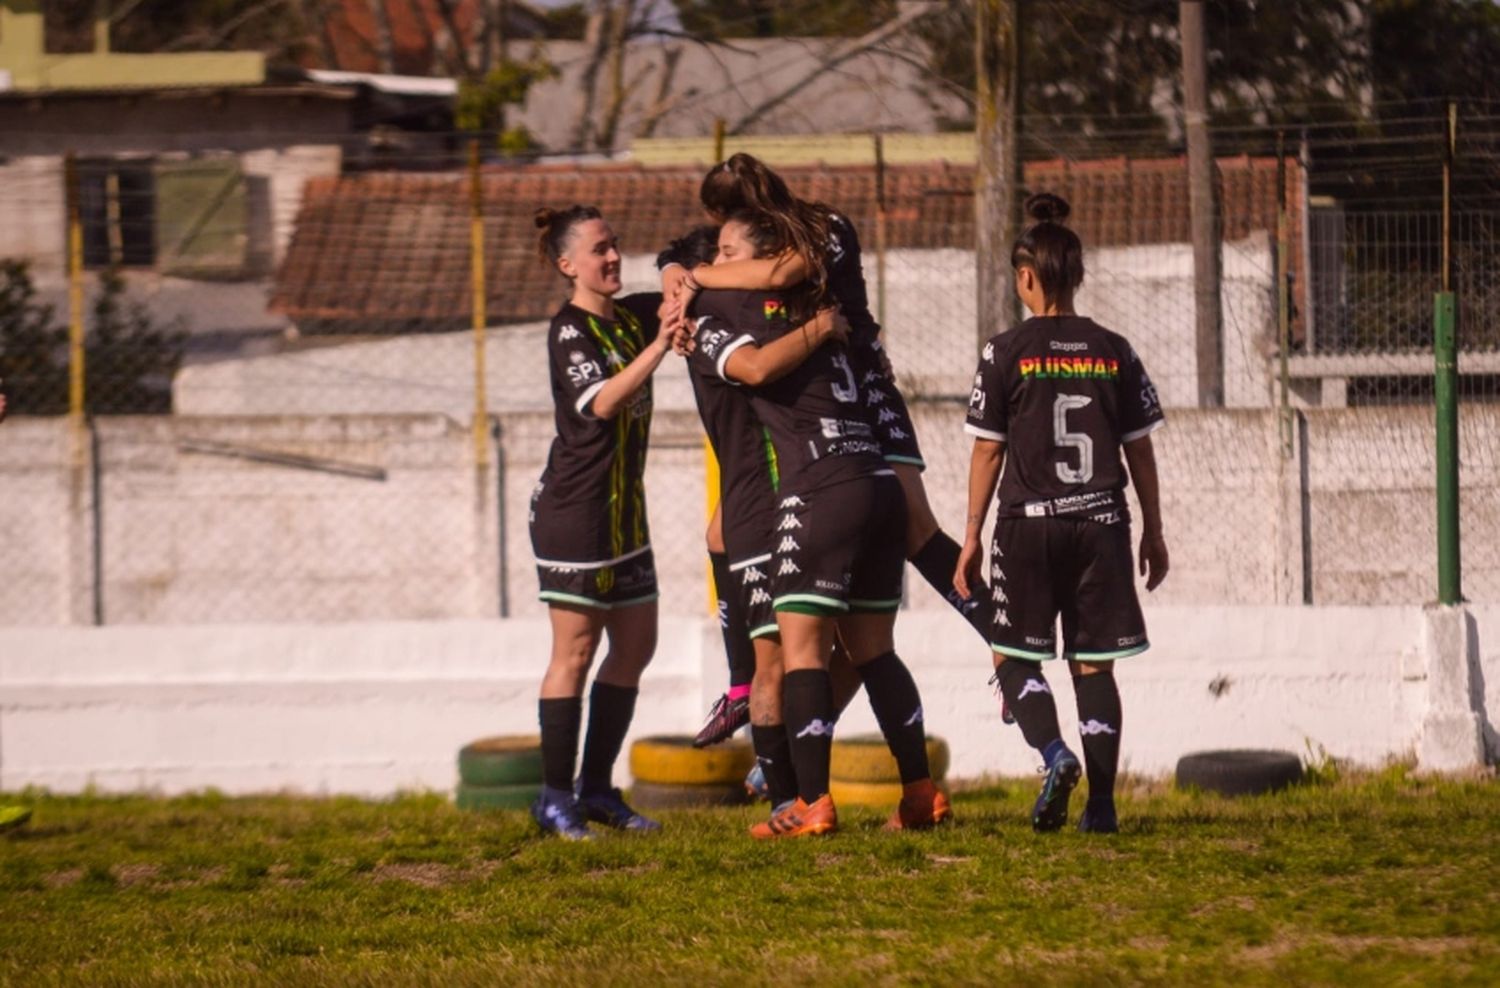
(1445, 391)
(1445, 346)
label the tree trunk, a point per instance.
(595, 42)
(997, 61)
(619, 23)
(1203, 209)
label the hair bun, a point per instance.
(544, 217)
(1047, 207)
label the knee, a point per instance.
(1082, 670)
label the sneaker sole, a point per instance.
(1054, 814)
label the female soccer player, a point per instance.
(1055, 399)
(823, 248)
(831, 566)
(588, 521)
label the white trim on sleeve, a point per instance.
(587, 396)
(1130, 437)
(729, 348)
(974, 430)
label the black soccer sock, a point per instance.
(1099, 722)
(733, 623)
(898, 709)
(610, 711)
(774, 753)
(936, 561)
(807, 698)
(1031, 703)
(559, 718)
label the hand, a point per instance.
(671, 282)
(2, 406)
(967, 570)
(683, 343)
(1154, 563)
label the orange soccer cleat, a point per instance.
(922, 806)
(800, 820)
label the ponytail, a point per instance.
(1050, 249)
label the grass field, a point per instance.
(1385, 879)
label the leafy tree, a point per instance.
(129, 360)
(32, 347)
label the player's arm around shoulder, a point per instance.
(761, 363)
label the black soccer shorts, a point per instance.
(841, 548)
(752, 581)
(1043, 568)
(622, 582)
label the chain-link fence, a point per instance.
(280, 380)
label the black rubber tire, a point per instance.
(1239, 772)
(510, 760)
(673, 796)
(485, 798)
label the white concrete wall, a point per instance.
(377, 707)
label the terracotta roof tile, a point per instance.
(389, 252)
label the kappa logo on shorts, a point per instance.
(788, 568)
(788, 544)
(753, 574)
(788, 522)
(886, 415)
(759, 596)
(1002, 619)
(723, 613)
(996, 573)
(817, 729)
(792, 502)
(1033, 686)
(568, 333)
(897, 434)
(1092, 727)
(914, 719)
(999, 595)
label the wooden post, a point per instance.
(1204, 214)
(997, 59)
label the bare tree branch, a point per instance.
(837, 56)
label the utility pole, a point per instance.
(1203, 207)
(997, 179)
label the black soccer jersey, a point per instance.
(816, 413)
(590, 506)
(1063, 393)
(846, 280)
(747, 461)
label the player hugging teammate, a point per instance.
(1055, 401)
(822, 556)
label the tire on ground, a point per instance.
(865, 758)
(516, 797)
(507, 760)
(1242, 772)
(672, 759)
(882, 795)
(670, 796)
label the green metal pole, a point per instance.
(1445, 346)
(1445, 390)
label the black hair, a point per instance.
(745, 182)
(700, 245)
(557, 228)
(1050, 249)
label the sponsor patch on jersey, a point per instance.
(1044, 368)
(775, 308)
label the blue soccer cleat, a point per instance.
(1051, 809)
(755, 783)
(610, 809)
(556, 812)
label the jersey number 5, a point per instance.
(1084, 472)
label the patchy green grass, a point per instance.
(1384, 879)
